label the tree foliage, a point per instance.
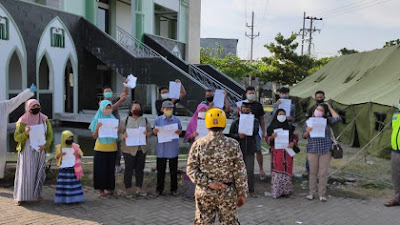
(345, 51)
(230, 65)
(286, 66)
(392, 43)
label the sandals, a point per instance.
(392, 203)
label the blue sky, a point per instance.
(358, 24)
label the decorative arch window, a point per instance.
(44, 74)
(14, 73)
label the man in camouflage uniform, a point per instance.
(216, 166)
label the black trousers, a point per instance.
(104, 170)
(249, 162)
(173, 168)
(134, 163)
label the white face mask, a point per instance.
(281, 118)
(165, 95)
(201, 115)
(251, 97)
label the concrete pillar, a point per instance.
(193, 42)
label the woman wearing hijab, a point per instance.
(134, 156)
(281, 161)
(69, 188)
(191, 131)
(31, 165)
(105, 153)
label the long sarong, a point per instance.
(69, 188)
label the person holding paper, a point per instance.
(164, 94)
(215, 164)
(69, 154)
(6, 108)
(284, 94)
(167, 151)
(248, 144)
(210, 101)
(191, 130)
(318, 151)
(108, 95)
(258, 110)
(281, 160)
(134, 155)
(30, 173)
(105, 153)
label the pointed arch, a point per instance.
(57, 44)
(14, 43)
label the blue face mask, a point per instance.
(108, 95)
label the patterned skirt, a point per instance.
(69, 189)
(281, 184)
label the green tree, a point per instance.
(285, 66)
(392, 43)
(230, 65)
(345, 51)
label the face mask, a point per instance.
(251, 97)
(320, 101)
(107, 111)
(165, 95)
(318, 113)
(210, 99)
(69, 142)
(35, 111)
(108, 95)
(201, 115)
(281, 118)
(137, 112)
(168, 113)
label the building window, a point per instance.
(4, 28)
(165, 22)
(57, 37)
(14, 73)
(139, 26)
(103, 19)
(44, 75)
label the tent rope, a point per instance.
(362, 149)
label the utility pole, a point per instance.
(252, 36)
(310, 30)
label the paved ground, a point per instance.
(179, 210)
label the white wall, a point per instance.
(124, 16)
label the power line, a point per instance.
(361, 8)
(327, 11)
(310, 31)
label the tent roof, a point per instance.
(357, 78)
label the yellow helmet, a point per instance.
(215, 117)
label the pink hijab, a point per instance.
(30, 119)
(192, 126)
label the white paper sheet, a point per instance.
(219, 98)
(37, 136)
(109, 128)
(201, 129)
(68, 160)
(174, 89)
(167, 133)
(282, 139)
(132, 82)
(290, 151)
(286, 105)
(318, 126)
(246, 124)
(136, 136)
